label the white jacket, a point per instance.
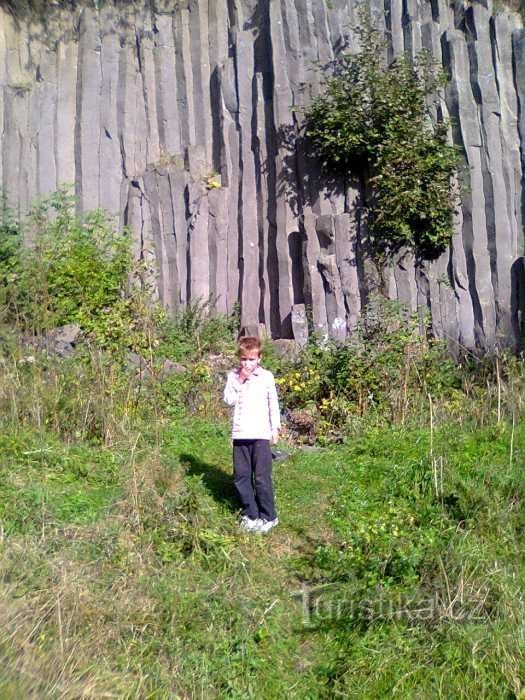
(255, 405)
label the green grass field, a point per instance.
(394, 572)
(397, 568)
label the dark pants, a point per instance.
(252, 476)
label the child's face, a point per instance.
(249, 360)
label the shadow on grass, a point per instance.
(219, 484)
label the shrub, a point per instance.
(385, 370)
(75, 269)
(198, 330)
(375, 122)
(10, 250)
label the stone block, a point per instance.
(300, 324)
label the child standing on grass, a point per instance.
(250, 389)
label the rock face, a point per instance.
(180, 119)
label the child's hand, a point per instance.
(244, 373)
(275, 436)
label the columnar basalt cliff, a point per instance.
(180, 118)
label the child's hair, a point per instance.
(249, 343)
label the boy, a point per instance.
(250, 389)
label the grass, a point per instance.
(426, 635)
(123, 572)
(39, 475)
(396, 569)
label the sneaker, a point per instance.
(249, 524)
(266, 525)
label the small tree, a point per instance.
(375, 121)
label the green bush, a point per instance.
(75, 269)
(386, 370)
(10, 253)
(197, 331)
(376, 122)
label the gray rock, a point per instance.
(254, 330)
(335, 308)
(300, 324)
(170, 367)
(142, 109)
(145, 368)
(287, 349)
(62, 341)
(279, 455)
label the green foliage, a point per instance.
(382, 543)
(375, 121)
(75, 270)
(381, 373)
(104, 487)
(10, 251)
(197, 330)
(43, 482)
